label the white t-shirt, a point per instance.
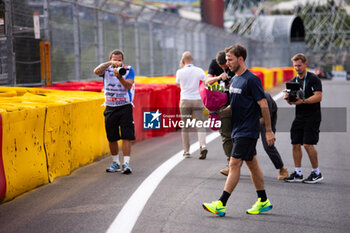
(115, 93)
(188, 77)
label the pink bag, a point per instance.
(213, 101)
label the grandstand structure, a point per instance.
(326, 22)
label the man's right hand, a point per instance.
(224, 76)
(285, 97)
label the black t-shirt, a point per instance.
(245, 91)
(313, 83)
(216, 70)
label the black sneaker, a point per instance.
(294, 178)
(313, 178)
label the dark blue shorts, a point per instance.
(244, 148)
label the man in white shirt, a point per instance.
(187, 78)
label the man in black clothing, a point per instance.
(306, 125)
(272, 151)
(220, 72)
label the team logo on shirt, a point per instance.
(235, 90)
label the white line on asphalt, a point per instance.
(128, 216)
(278, 96)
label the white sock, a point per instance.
(298, 171)
(127, 159)
(316, 170)
(116, 159)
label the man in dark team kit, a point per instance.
(247, 100)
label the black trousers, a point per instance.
(271, 151)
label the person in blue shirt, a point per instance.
(119, 93)
(247, 104)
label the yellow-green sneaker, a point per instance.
(215, 207)
(259, 207)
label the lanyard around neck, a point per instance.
(303, 85)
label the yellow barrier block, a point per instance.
(268, 76)
(160, 80)
(23, 150)
(279, 72)
(74, 136)
(58, 140)
(89, 137)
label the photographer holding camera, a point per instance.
(118, 82)
(305, 127)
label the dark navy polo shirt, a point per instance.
(245, 91)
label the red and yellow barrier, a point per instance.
(268, 76)
(47, 133)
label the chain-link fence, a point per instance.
(81, 33)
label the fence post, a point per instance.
(151, 52)
(11, 64)
(47, 39)
(99, 32)
(120, 32)
(76, 34)
(137, 47)
(164, 52)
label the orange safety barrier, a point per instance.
(2, 172)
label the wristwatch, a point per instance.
(303, 100)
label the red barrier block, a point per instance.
(2, 171)
(260, 75)
(274, 78)
(165, 98)
(141, 100)
(95, 88)
(159, 98)
(288, 74)
(71, 84)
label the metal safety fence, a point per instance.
(71, 37)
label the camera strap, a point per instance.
(303, 85)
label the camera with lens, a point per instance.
(121, 70)
(294, 92)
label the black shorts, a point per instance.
(116, 117)
(305, 131)
(244, 148)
